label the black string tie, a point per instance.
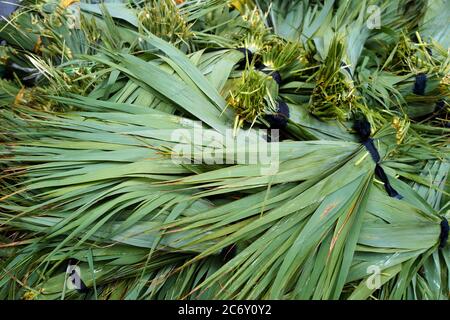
(279, 119)
(248, 56)
(362, 127)
(420, 84)
(276, 76)
(443, 237)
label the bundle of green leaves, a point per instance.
(97, 100)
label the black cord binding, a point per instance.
(420, 84)
(443, 237)
(362, 127)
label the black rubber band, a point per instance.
(420, 84)
(362, 127)
(443, 237)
